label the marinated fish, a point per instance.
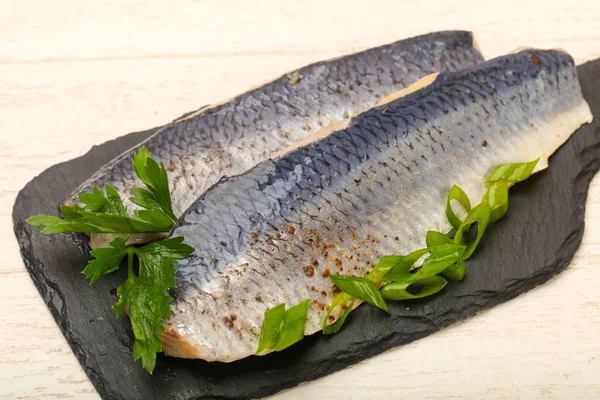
(335, 206)
(229, 138)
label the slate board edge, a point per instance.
(53, 296)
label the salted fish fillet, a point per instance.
(273, 234)
(229, 138)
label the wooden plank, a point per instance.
(74, 74)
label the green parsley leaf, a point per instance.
(106, 260)
(156, 260)
(109, 204)
(155, 178)
(78, 220)
(155, 218)
(49, 224)
(114, 223)
(94, 200)
(144, 198)
(146, 296)
(114, 204)
(147, 305)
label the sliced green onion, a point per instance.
(269, 333)
(511, 173)
(459, 195)
(405, 264)
(403, 269)
(440, 258)
(294, 323)
(434, 238)
(398, 291)
(480, 215)
(343, 300)
(346, 302)
(456, 271)
(383, 266)
(361, 288)
(281, 329)
(497, 198)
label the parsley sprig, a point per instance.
(105, 212)
(144, 295)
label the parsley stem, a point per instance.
(130, 252)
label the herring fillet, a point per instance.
(229, 138)
(274, 233)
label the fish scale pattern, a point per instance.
(229, 138)
(273, 234)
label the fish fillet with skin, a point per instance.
(273, 234)
(229, 138)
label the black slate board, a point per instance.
(535, 241)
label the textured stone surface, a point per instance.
(534, 242)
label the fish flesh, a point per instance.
(231, 137)
(335, 206)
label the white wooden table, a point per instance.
(74, 74)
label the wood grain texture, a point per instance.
(74, 74)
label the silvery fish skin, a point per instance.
(335, 206)
(229, 138)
